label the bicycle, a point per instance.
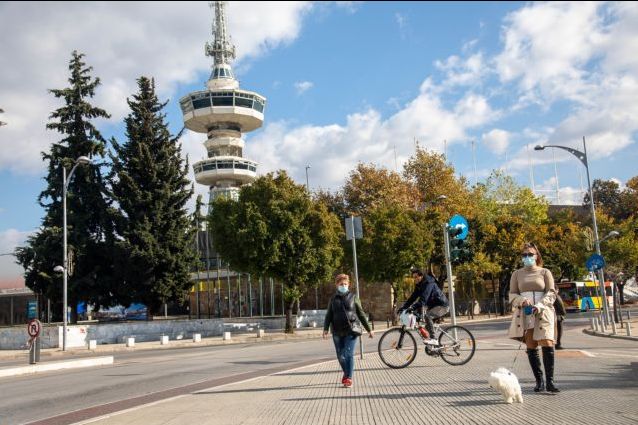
(398, 348)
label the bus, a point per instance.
(583, 296)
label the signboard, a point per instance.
(34, 327)
(32, 309)
(358, 228)
(595, 262)
(459, 222)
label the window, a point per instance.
(201, 103)
(224, 100)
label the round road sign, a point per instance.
(34, 327)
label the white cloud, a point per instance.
(334, 150)
(9, 240)
(496, 140)
(463, 72)
(122, 41)
(567, 195)
(546, 47)
(402, 22)
(302, 86)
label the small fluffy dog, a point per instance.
(505, 382)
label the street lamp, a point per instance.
(316, 286)
(613, 234)
(582, 156)
(82, 160)
(307, 186)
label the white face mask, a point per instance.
(529, 261)
(342, 289)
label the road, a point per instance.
(31, 398)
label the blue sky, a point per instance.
(345, 82)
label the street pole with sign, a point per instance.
(354, 231)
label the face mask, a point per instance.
(342, 289)
(529, 261)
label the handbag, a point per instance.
(355, 326)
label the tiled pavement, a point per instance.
(602, 389)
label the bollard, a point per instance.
(164, 339)
(130, 342)
(628, 329)
(260, 333)
(226, 336)
(592, 323)
(92, 344)
(601, 323)
(197, 337)
(613, 327)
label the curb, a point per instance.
(48, 367)
(594, 333)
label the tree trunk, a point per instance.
(290, 329)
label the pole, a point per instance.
(238, 278)
(208, 270)
(596, 240)
(556, 177)
(199, 260)
(250, 296)
(474, 160)
(356, 275)
(261, 296)
(219, 288)
(230, 307)
(446, 238)
(64, 261)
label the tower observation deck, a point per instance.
(223, 112)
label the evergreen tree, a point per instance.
(154, 248)
(88, 224)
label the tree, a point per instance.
(2, 122)
(89, 226)
(369, 186)
(470, 278)
(275, 229)
(394, 240)
(149, 184)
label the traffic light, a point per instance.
(459, 249)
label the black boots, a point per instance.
(548, 363)
(535, 363)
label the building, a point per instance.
(224, 111)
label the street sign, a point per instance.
(32, 309)
(459, 222)
(358, 228)
(34, 327)
(595, 262)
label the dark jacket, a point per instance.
(428, 294)
(342, 310)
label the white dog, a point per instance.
(505, 382)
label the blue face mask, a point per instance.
(529, 261)
(342, 289)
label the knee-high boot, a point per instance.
(548, 363)
(535, 363)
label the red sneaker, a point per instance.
(343, 379)
(347, 382)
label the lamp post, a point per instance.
(613, 234)
(582, 156)
(82, 160)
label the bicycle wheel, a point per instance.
(397, 348)
(457, 345)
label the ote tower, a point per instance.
(223, 111)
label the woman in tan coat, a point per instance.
(532, 295)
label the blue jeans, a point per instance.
(344, 345)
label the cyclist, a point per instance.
(429, 295)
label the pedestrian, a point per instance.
(559, 308)
(345, 317)
(532, 295)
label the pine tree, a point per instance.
(149, 183)
(88, 224)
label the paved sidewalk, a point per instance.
(594, 388)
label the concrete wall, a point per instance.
(15, 338)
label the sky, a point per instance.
(345, 82)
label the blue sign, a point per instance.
(32, 309)
(459, 222)
(595, 262)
